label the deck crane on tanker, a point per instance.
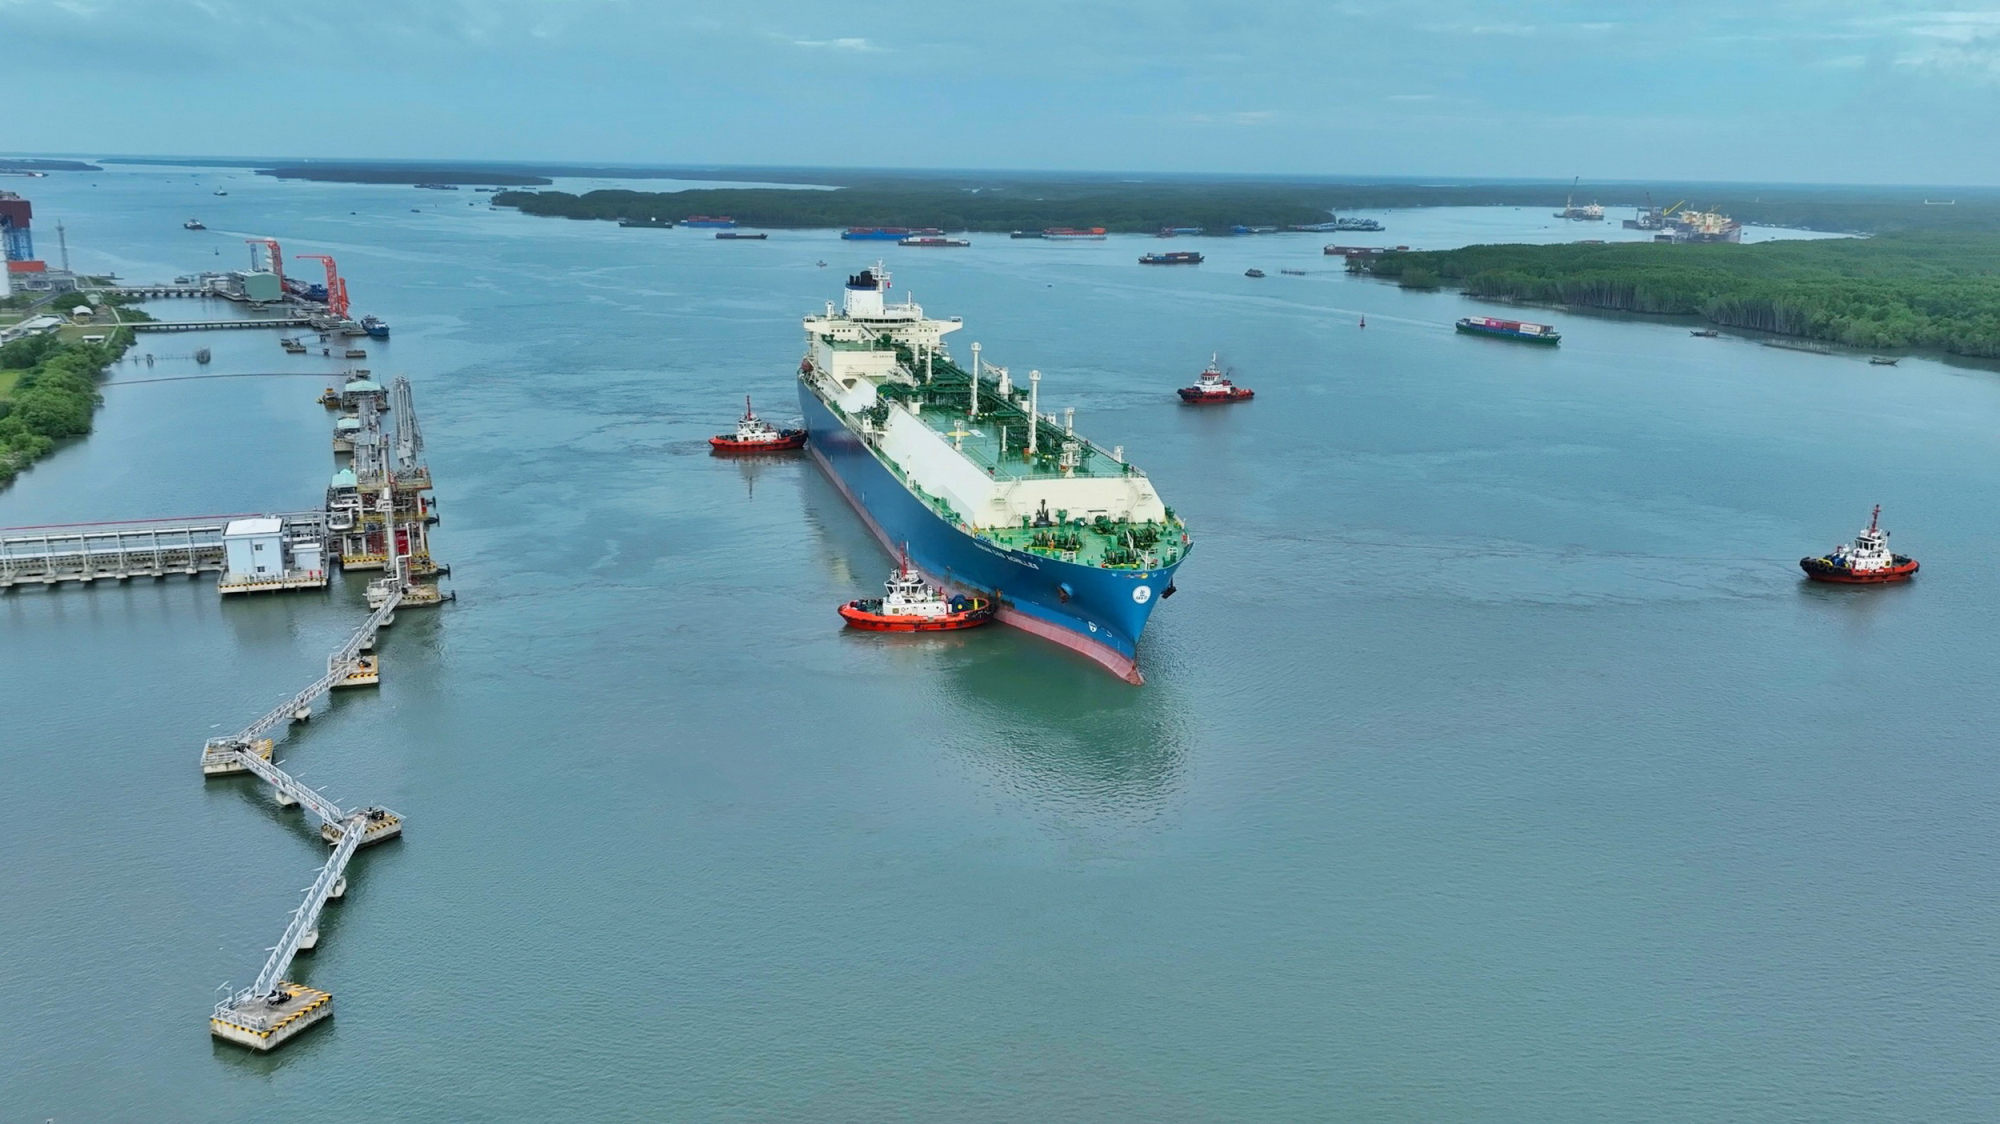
(336, 285)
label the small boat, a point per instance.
(1026, 234)
(822, 265)
(1177, 257)
(1214, 387)
(1881, 361)
(375, 326)
(1867, 562)
(755, 435)
(909, 604)
(330, 399)
(738, 236)
(355, 353)
(193, 224)
(1293, 272)
(1704, 333)
(1253, 273)
(219, 191)
(934, 240)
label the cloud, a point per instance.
(840, 44)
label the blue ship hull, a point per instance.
(1097, 612)
(874, 235)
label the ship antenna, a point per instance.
(1873, 517)
(747, 411)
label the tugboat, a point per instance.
(910, 605)
(1213, 386)
(375, 326)
(755, 435)
(1867, 562)
(1253, 273)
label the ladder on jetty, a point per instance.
(143, 548)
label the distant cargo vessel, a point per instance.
(993, 498)
(716, 221)
(1177, 257)
(934, 240)
(1072, 234)
(375, 326)
(886, 233)
(1176, 231)
(1509, 329)
(739, 236)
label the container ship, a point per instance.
(989, 496)
(887, 233)
(1177, 257)
(1509, 329)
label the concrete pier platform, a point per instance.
(383, 825)
(367, 673)
(214, 764)
(266, 1024)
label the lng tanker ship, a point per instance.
(989, 495)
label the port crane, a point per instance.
(336, 285)
(273, 253)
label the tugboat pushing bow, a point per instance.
(755, 435)
(909, 604)
(1867, 562)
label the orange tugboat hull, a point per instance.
(793, 439)
(1821, 570)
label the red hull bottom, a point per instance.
(1215, 399)
(794, 440)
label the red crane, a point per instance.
(336, 286)
(271, 250)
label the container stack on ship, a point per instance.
(989, 495)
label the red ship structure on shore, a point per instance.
(1868, 562)
(755, 435)
(1214, 387)
(908, 604)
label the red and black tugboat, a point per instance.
(909, 604)
(755, 435)
(1213, 386)
(1867, 562)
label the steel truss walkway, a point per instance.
(144, 548)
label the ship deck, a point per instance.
(980, 442)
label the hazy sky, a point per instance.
(1833, 90)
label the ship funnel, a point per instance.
(1034, 403)
(864, 294)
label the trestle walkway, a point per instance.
(145, 548)
(219, 325)
(273, 1009)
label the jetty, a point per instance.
(377, 515)
(159, 548)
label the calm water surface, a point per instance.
(1495, 763)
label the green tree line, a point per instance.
(1923, 290)
(52, 396)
